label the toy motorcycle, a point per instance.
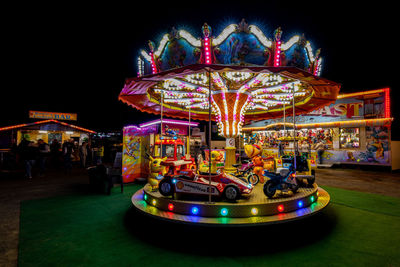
(246, 173)
(304, 170)
(285, 180)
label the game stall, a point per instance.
(354, 130)
(158, 138)
(234, 78)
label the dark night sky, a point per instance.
(74, 58)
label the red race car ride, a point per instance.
(222, 185)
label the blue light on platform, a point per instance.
(300, 204)
(195, 210)
(224, 211)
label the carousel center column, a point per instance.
(230, 107)
(230, 157)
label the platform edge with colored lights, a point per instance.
(224, 213)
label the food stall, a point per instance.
(47, 130)
(355, 129)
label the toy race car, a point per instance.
(223, 185)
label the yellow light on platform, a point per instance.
(254, 211)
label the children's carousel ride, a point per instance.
(240, 75)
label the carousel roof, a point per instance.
(270, 90)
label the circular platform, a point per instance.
(257, 209)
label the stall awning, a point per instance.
(37, 125)
(336, 124)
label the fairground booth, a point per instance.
(47, 126)
(354, 130)
(234, 78)
(155, 139)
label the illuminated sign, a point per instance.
(348, 110)
(52, 115)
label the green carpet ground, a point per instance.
(356, 229)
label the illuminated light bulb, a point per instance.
(195, 210)
(193, 41)
(170, 206)
(290, 43)
(224, 211)
(260, 35)
(300, 204)
(312, 198)
(254, 211)
(154, 202)
(162, 44)
(145, 196)
(224, 34)
(281, 208)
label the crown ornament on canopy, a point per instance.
(238, 44)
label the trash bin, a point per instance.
(99, 181)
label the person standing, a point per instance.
(320, 147)
(44, 150)
(76, 152)
(55, 148)
(203, 149)
(83, 154)
(68, 149)
(100, 154)
(281, 149)
(28, 153)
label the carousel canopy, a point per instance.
(238, 93)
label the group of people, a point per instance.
(41, 154)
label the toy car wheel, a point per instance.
(253, 178)
(311, 180)
(231, 193)
(166, 187)
(295, 187)
(269, 189)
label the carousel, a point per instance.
(239, 76)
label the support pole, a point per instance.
(209, 136)
(284, 119)
(161, 123)
(294, 132)
(188, 142)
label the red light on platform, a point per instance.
(281, 208)
(170, 206)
